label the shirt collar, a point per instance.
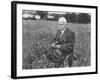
(63, 31)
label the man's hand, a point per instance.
(53, 45)
(58, 46)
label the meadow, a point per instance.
(37, 34)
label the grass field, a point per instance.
(37, 33)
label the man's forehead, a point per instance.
(61, 22)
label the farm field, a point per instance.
(37, 34)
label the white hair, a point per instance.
(62, 19)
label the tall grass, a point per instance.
(37, 34)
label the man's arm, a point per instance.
(55, 42)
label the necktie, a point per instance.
(60, 34)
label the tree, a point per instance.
(84, 18)
(73, 18)
(42, 14)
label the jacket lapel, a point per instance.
(64, 35)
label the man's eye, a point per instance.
(60, 24)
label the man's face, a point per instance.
(61, 26)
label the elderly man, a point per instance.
(63, 45)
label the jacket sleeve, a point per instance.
(69, 44)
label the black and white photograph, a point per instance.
(55, 39)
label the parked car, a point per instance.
(37, 17)
(27, 16)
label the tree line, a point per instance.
(71, 17)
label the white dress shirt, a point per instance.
(62, 31)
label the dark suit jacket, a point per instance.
(66, 41)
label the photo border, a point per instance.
(14, 38)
